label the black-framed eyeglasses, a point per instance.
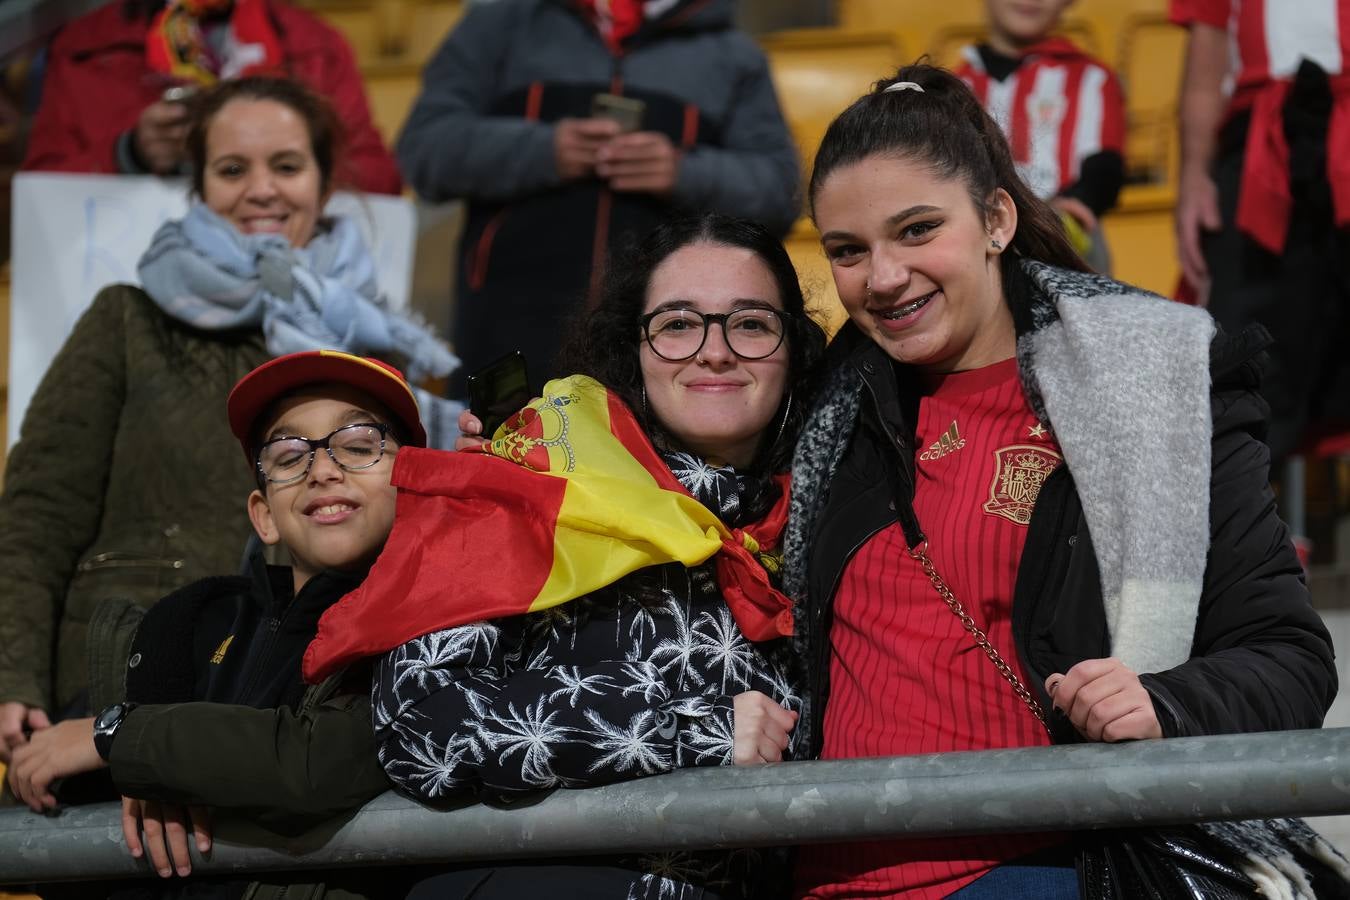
(753, 332)
(352, 448)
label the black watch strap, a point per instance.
(106, 724)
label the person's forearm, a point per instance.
(277, 765)
(1203, 104)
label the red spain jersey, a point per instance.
(1058, 107)
(905, 676)
(1270, 38)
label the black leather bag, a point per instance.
(1207, 862)
(1164, 864)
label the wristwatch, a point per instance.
(106, 725)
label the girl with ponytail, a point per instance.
(1031, 506)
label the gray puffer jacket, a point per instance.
(483, 130)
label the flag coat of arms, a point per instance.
(569, 496)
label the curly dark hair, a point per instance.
(945, 128)
(606, 343)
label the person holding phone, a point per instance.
(570, 126)
(106, 109)
(693, 372)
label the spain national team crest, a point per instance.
(1021, 470)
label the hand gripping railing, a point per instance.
(1057, 788)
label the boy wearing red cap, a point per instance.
(321, 430)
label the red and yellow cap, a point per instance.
(256, 391)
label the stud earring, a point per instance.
(996, 245)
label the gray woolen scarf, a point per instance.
(202, 271)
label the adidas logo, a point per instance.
(948, 443)
(219, 656)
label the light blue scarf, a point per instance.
(202, 271)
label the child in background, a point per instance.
(1062, 111)
(321, 429)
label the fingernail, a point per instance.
(184, 871)
(136, 852)
(165, 872)
(203, 844)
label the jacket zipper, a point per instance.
(273, 626)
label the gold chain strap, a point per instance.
(919, 553)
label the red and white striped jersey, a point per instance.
(1058, 107)
(1270, 37)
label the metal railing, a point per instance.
(1085, 786)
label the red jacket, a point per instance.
(97, 83)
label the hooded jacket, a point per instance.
(482, 130)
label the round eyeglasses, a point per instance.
(678, 334)
(351, 447)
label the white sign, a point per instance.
(75, 234)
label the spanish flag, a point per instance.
(568, 497)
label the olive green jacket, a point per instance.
(125, 483)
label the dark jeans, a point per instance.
(1012, 881)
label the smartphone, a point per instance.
(624, 110)
(178, 93)
(498, 390)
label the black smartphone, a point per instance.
(626, 111)
(499, 389)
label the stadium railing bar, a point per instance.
(1086, 786)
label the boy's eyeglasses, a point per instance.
(678, 334)
(351, 447)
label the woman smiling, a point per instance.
(1032, 506)
(630, 518)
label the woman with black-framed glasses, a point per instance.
(693, 369)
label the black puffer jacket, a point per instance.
(1261, 657)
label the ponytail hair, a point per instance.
(942, 126)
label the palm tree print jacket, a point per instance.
(632, 680)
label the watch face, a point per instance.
(108, 716)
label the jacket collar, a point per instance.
(273, 587)
(667, 16)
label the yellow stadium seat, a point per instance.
(813, 272)
(1152, 55)
(426, 24)
(817, 72)
(1110, 17)
(365, 24)
(906, 13)
(1139, 232)
(387, 31)
(392, 88)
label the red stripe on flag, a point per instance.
(472, 540)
